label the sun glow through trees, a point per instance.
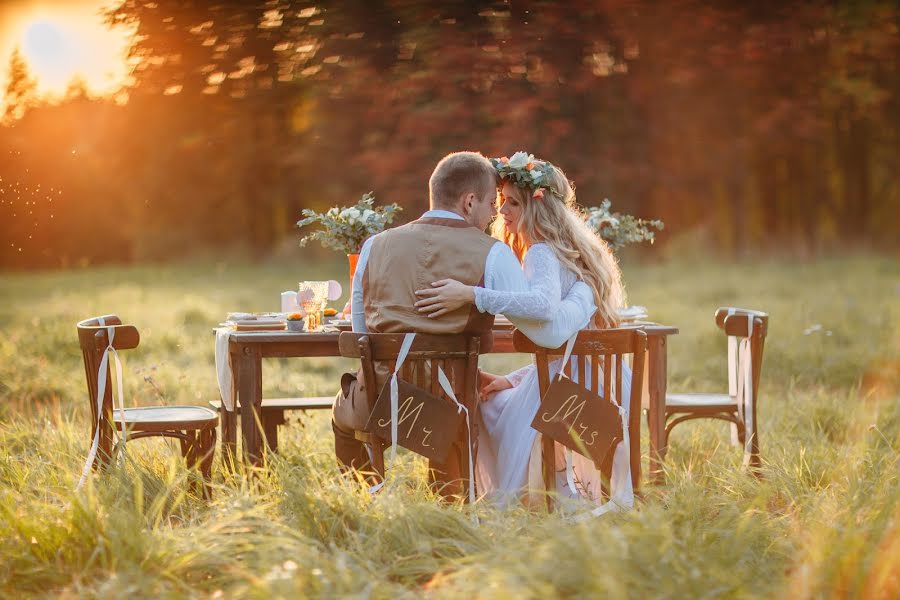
(65, 44)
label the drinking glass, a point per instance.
(313, 296)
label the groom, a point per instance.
(448, 241)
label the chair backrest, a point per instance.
(595, 350)
(94, 339)
(457, 355)
(743, 323)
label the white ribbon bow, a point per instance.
(570, 462)
(395, 410)
(740, 384)
(622, 497)
(101, 391)
(445, 383)
(395, 405)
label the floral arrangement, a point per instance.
(345, 229)
(524, 171)
(297, 316)
(620, 230)
(521, 170)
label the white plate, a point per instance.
(633, 312)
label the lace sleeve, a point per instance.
(537, 302)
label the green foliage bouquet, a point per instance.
(620, 230)
(345, 229)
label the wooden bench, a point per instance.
(272, 415)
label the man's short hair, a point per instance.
(459, 173)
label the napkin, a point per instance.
(223, 368)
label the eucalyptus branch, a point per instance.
(345, 229)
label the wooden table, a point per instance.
(248, 348)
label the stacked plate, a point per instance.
(633, 313)
(256, 321)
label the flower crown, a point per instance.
(523, 171)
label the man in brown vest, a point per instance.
(448, 241)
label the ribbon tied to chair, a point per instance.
(395, 410)
(101, 392)
(622, 496)
(740, 384)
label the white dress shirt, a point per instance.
(502, 272)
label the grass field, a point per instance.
(823, 522)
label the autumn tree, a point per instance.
(20, 90)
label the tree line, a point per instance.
(756, 125)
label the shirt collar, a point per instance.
(442, 214)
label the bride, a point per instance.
(543, 226)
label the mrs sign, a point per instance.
(579, 419)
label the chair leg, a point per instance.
(186, 447)
(207, 454)
(447, 479)
(191, 452)
(606, 468)
(755, 462)
(548, 461)
(377, 449)
(665, 440)
(228, 421)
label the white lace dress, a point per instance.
(508, 447)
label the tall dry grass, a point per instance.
(823, 522)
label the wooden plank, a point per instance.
(607, 377)
(602, 341)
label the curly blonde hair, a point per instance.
(558, 221)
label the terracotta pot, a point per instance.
(352, 259)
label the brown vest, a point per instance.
(401, 261)
(410, 258)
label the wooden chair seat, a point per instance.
(166, 418)
(699, 401)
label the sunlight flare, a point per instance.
(68, 45)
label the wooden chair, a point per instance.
(457, 355)
(193, 426)
(736, 323)
(592, 349)
(273, 410)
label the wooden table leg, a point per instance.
(656, 409)
(228, 420)
(250, 397)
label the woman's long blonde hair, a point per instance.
(557, 221)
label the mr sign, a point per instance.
(426, 424)
(579, 419)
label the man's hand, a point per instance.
(489, 384)
(444, 296)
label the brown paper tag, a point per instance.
(426, 424)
